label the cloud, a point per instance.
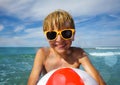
(1, 27)
(98, 31)
(32, 37)
(92, 26)
(30, 33)
(39, 9)
(18, 28)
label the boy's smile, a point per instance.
(61, 46)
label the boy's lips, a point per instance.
(60, 46)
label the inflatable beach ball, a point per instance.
(67, 76)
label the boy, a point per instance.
(60, 30)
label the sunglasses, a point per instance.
(66, 34)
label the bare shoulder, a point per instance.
(43, 51)
(79, 51)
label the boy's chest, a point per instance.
(56, 62)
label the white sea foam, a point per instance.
(110, 58)
(107, 48)
(104, 53)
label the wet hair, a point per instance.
(58, 20)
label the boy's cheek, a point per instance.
(51, 43)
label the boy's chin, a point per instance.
(60, 51)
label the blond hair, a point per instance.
(58, 20)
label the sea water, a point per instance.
(16, 64)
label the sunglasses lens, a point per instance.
(66, 33)
(51, 35)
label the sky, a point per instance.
(97, 22)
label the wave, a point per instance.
(104, 53)
(107, 48)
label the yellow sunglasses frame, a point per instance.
(59, 33)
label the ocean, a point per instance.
(16, 64)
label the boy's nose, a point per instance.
(59, 38)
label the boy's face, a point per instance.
(60, 45)
(61, 40)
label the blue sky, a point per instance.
(97, 22)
